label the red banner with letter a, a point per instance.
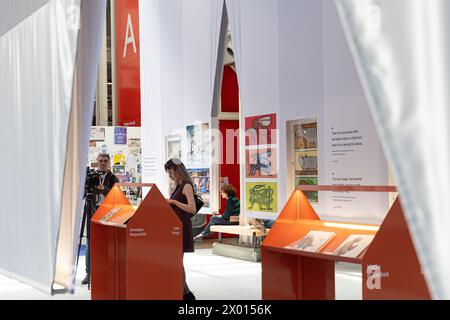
(128, 63)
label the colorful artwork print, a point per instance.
(306, 163)
(202, 184)
(312, 196)
(120, 135)
(198, 143)
(261, 197)
(261, 163)
(305, 136)
(261, 130)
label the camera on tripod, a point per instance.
(92, 180)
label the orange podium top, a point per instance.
(298, 218)
(115, 209)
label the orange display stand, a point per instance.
(289, 274)
(136, 254)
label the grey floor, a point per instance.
(210, 277)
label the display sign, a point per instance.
(128, 63)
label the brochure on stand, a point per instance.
(354, 245)
(312, 242)
(109, 215)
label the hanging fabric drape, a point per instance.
(402, 50)
(85, 81)
(46, 117)
(179, 58)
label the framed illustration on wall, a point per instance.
(302, 156)
(202, 184)
(312, 196)
(306, 163)
(261, 163)
(261, 130)
(305, 135)
(173, 147)
(198, 143)
(261, 197)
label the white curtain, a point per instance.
(402, 49)
(46, 116)
(179, 49)
(15, 11)
(37, 60)
(89, 45)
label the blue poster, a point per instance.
(120, 135)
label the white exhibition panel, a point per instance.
(404, 67)
(284, 67)
(346, 109)
(84, 85)
(37, 60)
(179, 46)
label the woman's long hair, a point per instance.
(178, 167)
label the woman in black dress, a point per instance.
(183, 203)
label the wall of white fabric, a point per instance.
(179, 46)
(404, 67)
(46, 116)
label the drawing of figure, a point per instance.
(260, 132)
(263, 196)
(262, 164)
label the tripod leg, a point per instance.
(83, 224)
(90, 213)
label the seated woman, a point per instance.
(233, 209)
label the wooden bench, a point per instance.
(240, 230)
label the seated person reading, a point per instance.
(233, 209)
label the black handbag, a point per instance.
(198, 203)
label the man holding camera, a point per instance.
(106, 181)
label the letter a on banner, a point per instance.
(129, 37)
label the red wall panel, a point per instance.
(128, 63)
(230, 91)
(230, 103)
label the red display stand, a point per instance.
(136, 254)
(289, 274)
